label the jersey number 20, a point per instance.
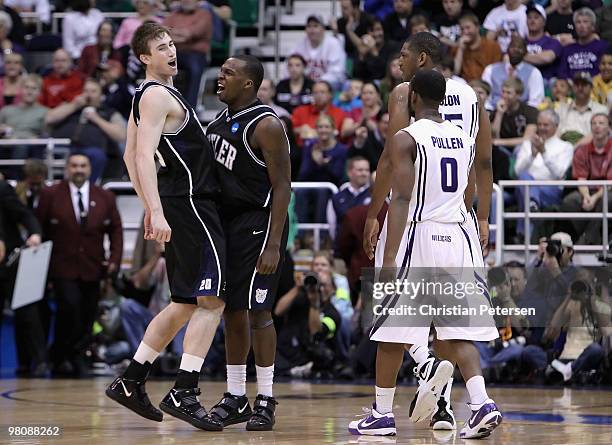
(448, 167)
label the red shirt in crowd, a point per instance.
(57, 89)
(588, 164)
(308, 115)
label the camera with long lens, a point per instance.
(311, 281)
(554, 248)
(579, 290)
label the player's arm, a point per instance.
(402, 154)
(154, 107)
(399, 118)
(483, 169)
(129, 157)
(270, 137)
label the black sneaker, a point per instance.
(433, 374)
(262, 418)
(231, 410)
(184, 404)
(132, 395)
(443, 418)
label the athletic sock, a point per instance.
(139, 367)
(236, 379)
(145, 353)
(476, 389)
(419, 353)
(265, 376)
(189, 371)
(384, 399)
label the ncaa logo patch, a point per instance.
(260, 295)
(235, 127)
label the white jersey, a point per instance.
(460, 106)
(444, 157)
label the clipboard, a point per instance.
(31, 275)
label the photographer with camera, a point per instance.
(307, 342)
(548, 280)
(586, 319)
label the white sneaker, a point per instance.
(433, 374)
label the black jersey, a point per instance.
(186, 158)
(241, 169)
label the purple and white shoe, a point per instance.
(484, 419)
(375, 424)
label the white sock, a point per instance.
(145, 353)
(567, 371)
(384, 399)
(191, 363)
(236, 379)
(419, 353)
(265, 375)
(446, 392)
(476, 389)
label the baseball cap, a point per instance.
(315, 18)
(566, 240)
(583, 76)
(537, 8)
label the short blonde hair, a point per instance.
(35, 79)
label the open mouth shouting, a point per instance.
(172, 63)
(220, 87)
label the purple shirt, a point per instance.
(576, 58)
(546, 43)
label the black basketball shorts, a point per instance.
(246, 236)
(195, 255)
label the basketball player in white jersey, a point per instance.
(460, 107)
(431, 162)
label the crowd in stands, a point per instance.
(542, 70)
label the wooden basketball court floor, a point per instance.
(308, 413)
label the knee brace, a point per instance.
(258, 323)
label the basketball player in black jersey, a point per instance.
(180, 211)
(253, 166)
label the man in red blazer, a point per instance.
(76, 215)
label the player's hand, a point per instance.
(160, 230)
(148, 231)
(268, 260)
(2, 250)
(483, 228)
(370, 236)
(34, 240)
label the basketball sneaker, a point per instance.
(484, 419)
(132, 395)
(443, 418)
(262, 418)
(375, 424)
(185, 404)
(432, 375)
(231, 409)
